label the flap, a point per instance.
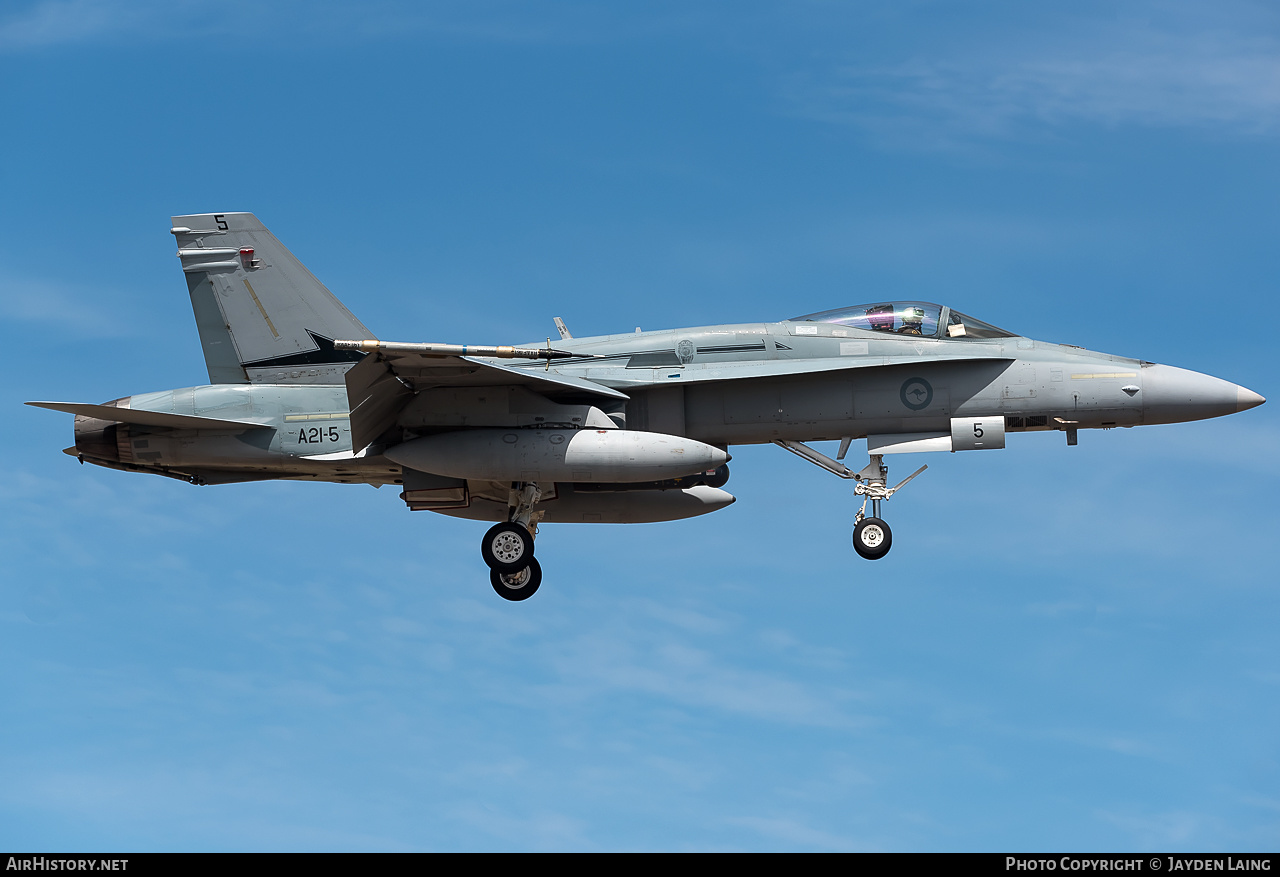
(385, 381)
(426, 370)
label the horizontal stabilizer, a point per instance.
(147, 418)
(375, 397)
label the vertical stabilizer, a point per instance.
(262, 316)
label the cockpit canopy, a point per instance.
(908, 318)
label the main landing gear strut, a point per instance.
(872, 537)
(507, 548)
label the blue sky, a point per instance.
(1068, 649)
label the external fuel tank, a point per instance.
(575, 455)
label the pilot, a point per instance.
(912, 320)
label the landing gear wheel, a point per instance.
(519, 585)
(507, 548)
(872, 538)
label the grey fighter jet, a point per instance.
(621, 428)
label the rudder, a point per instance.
(262, 316)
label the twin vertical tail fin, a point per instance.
(262, 316)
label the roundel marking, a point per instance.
(916, 393)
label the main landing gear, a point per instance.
(507, 548)
(519, 585)
(872, 537)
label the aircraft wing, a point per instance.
(385, 380)
(146, 418)
(467, 371)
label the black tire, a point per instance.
(872, 538)
(519, 585)
(507, 548)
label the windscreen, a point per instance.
(962, 326)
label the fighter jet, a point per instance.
(625, 428)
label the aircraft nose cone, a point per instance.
(1246, 399)
(1177, 395)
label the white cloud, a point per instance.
(543, 829)
(610, 664)
(58, 22)
(1173, 830)
(50, 23)
(65, 309)
(797, 834)
(1224, 82)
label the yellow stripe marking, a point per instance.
(261, 309)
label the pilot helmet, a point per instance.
(912, 316)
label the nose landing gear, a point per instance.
(872, 537)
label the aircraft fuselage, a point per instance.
(693, 383)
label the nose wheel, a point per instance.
(872, 538)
